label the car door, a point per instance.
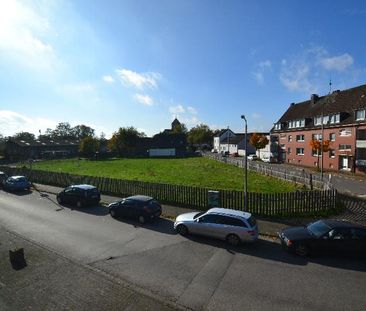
(208, 225)
(358, 241)
(339, 240)
(66, 196)
(126, 209)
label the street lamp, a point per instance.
(245, 166)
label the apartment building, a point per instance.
(339, 117)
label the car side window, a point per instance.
(358, 233)
(209, 219)
(68, 190)
(340, 234)
(231, 221)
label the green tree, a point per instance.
(63, 130)
(200, 135)
(124, 141)
(26, 136)
(88, 146)
(82, 131)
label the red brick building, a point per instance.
(339, 117)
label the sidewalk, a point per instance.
(268, 227)
(52, 282)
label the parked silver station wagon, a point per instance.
(220, 223)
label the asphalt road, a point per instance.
(194, 272)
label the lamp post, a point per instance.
(245, 166)
(228, 140)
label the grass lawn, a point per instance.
(200, 172)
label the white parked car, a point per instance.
(220, 223)
(252, 157)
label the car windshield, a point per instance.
(318, 228)
(198, 215)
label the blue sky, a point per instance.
(139, 63)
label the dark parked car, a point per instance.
(79, 195)
(17, 183)
(325, 235)
(138, 207)
(3, 178)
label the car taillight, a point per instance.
(147, 210)
(251, 232)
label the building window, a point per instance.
(360, 114)
(335, 118)
(331, 153)
(317, 120)
(345, 132)
(345, 147)
(289, 150)
(300, 137)
(296, 123)
(317, 136)
(299, 151)
(316, 153)
(278, 126)
(332, 136)
(289, 137)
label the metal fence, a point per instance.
(296, 175)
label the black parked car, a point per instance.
(79, 195)
(325, 235)
(138, 207)
(3, 178)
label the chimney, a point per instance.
(292, 104)
(314, 98)
(336, 91)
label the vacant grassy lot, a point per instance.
(200, 172)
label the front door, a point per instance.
(344, 163)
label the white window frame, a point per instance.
(363, 111)
(335, 118)
(302, 139)
(298, 152)
(345, 132)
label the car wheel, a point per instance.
(79, 204)
(233, 239)
(182, 230)
(59, 200)
(113, 213)
(141, 219)
(301, 250)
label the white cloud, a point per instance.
(108, 79)
(261, 68)
(256, 115)
(339, 63)
(12, 122)
(265, 64)
(191, 110)
(296, 78)
(138, 80)
(144, 99)
(309, 70)
(77, 89)
(259, 77)
(22, 33)
(176, 109)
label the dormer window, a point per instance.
(278, 126)
(335, 118)
(317, 120)
(360, 114)
(296, 123)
